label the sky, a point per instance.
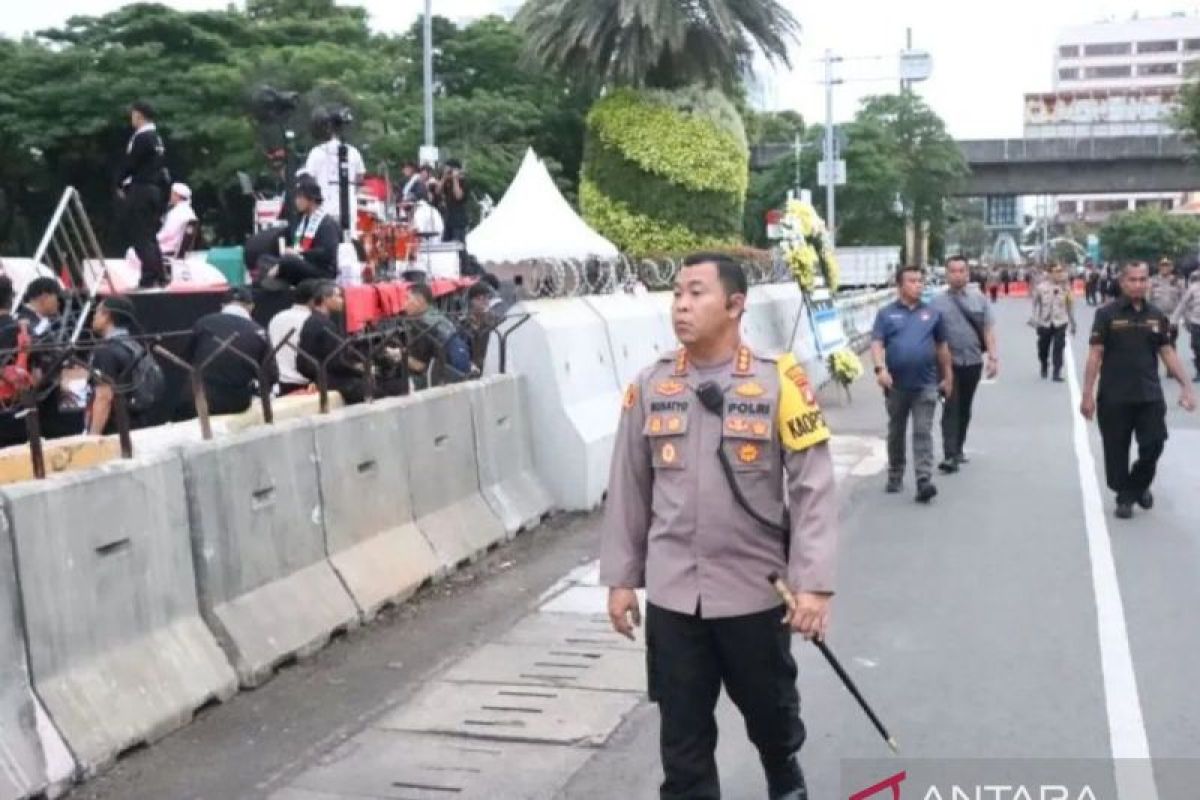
(986, 55)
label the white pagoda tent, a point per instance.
(534, 221)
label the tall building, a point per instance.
(1115, 78)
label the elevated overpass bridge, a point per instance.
(1097, 165)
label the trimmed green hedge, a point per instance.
(703, 212)
(637, 233)
(665, 170)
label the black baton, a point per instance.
(790, 600)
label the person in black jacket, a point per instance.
(230, 382)
(320, 338)
(313, 249)
(141, 184)
(12, 427)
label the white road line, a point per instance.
(1126, 728)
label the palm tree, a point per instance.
(656, 43)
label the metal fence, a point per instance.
(571, 277)
(380, 352)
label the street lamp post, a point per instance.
(830, 164)
(428, 42)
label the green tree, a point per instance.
(1147, 235)
(656, 43)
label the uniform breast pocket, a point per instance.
(747, 443)
(668, 436)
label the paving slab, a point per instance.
(513, 712)
(570, 630)
(408, 766)
(577, 666)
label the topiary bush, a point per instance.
(665, 171)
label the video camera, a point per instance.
(271, 105)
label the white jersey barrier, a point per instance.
(370, 534)
(504, 453)
(117, 648)
(575, 396)
(266, 587)
(33, 757)
(443, 475)
(762, 327)
(638, 328)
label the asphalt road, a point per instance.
(1014, 618)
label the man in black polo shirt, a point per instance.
(230, 382)
(1129, 336)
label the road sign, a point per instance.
(429, 155)
(774, 228)
(915, 65)
(839, 173)
(1001, 212)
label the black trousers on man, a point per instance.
(956, 412)
(1120, 423)
(143, 210)
(688, 659)
(1051, 338)
(1194, 332)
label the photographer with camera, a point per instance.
(328, 162)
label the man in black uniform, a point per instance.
(230, 382)
(1129, 336)
(112, 364)
(142, 182)
(320, 338)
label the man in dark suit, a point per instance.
(313, 243)
(142, 183)
(230, 382)
(320, 338)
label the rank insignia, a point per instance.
(743, 362)
(750, 389)
(670, 388)
(631, 396)
(735, 425)
(656, 425)
(759, 428)
(681, 363)
(674, 424)
(748, 453)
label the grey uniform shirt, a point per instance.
(1052, 304)
(1166, 292)
(965, 346)
(672, 523)
(1188, 309)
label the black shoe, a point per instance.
(787, 782)
(894, 486)
(1124, 510)
(1045, 371)
(1146, 500)
(926, 491)
(1058, 378)
(961, 459)
(948, 466)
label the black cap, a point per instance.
(122, 310)
(307, 187)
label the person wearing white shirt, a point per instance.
(283, 323)
(322, 165)
(174, 228)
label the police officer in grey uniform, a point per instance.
(1166, 292)
(1053, 315)
(1188, 311)
(674, 525)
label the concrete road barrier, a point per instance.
(34, 760)
(504, 452)
(370, 535)
(444, 478)
(575, 398)
(71, 454)
(265, 586)
(761, 327)
(638, 330)
(117, 649)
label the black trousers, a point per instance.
(1194, 331)
(1120, 423)
(688, 660)
(143, 208)
(294, 269)
(1052, 335)
(956, 412)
